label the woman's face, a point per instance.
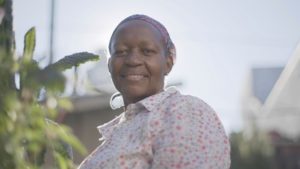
(138, 61)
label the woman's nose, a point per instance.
(133, 59)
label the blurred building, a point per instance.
(271, 103)
(259, 86)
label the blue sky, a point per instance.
(217, 41)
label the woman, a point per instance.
(159, 129)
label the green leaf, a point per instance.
(27, 75)
(29, 45)
(61, 160)
(72, 140)
(73, 60)
(51, 79)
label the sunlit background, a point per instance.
(229, 53)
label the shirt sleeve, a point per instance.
(192, 138)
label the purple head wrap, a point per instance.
(170, 47)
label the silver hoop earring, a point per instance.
(116, 101)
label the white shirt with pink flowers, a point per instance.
(164, 131)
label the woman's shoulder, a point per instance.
(175, 104)
(179, 100)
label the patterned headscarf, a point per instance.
(170, 47)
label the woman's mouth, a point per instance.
(134, 77)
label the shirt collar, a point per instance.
(106, 129)
(149, 103)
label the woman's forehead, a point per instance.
(136, 30)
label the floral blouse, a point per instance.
(164, 131)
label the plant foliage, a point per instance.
(27, 130)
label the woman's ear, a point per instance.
(109, 65)
(169, 64)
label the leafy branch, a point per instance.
(27, 128)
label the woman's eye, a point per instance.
(120, 52)
(148, 51)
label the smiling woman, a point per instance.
(139, 60)
(160, 128)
